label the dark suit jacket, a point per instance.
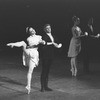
(88, 41)
(48, 50)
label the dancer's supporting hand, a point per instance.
(43, 42)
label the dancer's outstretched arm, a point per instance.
(57, 45)
(17, 44)
(86, 34)
(97, 36)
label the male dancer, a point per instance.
(47, 57)
(87, 45)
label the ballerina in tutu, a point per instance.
(30, 53)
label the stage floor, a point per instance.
(65, 87)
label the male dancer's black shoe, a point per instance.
(45, 89)
(48, 89)
(42, 90)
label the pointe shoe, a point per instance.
(72, 70)
(28, 89)
(75, 73)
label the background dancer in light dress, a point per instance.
(75, 44)
(30, 53)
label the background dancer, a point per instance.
(75, 45)
(87, 44)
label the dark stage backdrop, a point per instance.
(16, 15)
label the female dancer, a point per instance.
(30, 53)
(75, 45)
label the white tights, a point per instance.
(74, 66)
(29, 76)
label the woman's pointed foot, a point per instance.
(75, 73)
(28, 89)
(72, 70)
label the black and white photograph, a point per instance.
(49, 50)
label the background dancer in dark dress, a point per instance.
(47, 57)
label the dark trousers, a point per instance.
(46, 64)
(86, 61)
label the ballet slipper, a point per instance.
(28, 89)
(72, 70)
(75, 74)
